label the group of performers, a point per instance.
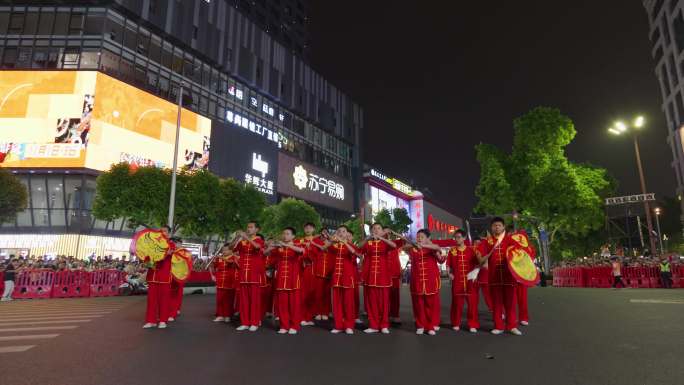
(301, 280)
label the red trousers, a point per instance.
(266, 300)
(158, 302)
(487, 296)
(344, 314)
(289, 308)
(322, 300)
(308, 295)
(357, 301)
(394, 296)
(521, 294)
(225, 302)
(472, 300)
(503, 300)
(250, 304)
(377, 306)
(176, 298)
(426, 310)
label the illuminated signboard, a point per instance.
(88, 119)
(255, 128)
(261, 179)
(302, 180)
(395, 183)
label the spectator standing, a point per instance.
(617, 273)
(665, 274)
(10, 272)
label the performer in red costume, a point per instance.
(425, 282)
(377, 279)
(483, 278)
(322, 269)
(501, 282)
(521, 296)
(176, 292)
(462, 260)
(224, 271)
(395, 272)
(159, 289)
(343, 280)
(251, 275)
(313, 245)
(267, 290)
(286, 257)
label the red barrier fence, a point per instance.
(65, 284)
(637, 277)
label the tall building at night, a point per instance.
(666, 20)
(89, 83)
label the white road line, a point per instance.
(29, 337)
(15, 349)
(666, 301)
(17, 308)
(19, 318)
(38, 328)
(51, 314)
(27, 323)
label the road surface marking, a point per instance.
(667, 301)
(28, 323)
(38, 328)
(49, 314)
(23, 318)
(15, 349)
(29, 337)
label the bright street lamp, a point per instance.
(621, 128)
(660, 236)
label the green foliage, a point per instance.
(355, 225)
(196, 204)
(398, 219)
(538, 181)
(250, 205)
(289, 212)
(13, 196)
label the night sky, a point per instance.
(435, 81)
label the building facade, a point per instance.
(86, 84)
(666, 32)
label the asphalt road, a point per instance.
(576, 336)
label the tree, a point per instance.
(355, 225)
(289, 212)
(250, 205)
(13, 196)
(537, 181)
(398, 219)
(196, 210)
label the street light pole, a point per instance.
(649, 222)
(172, 198)
(660, 236)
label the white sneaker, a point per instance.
(496, 332)
(242, 327)
(473, 330)
(171, 319)
(282, 331)
(310, 323)
(219, 319)
(318, 317)
(149, 325)
(456, 328)
(370, 331)
(253, 328)
(524, 323)
(293, 331)
(277, 318)
(349, 331)
(358, 321)
(162, 325)
(420, 331)
(385, 331)
(324, 318)
(432, 332)
(436, 328)
(226, 320)
(336, 331)
(516, 332)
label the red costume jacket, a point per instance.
(161, 271)
(461, 262)
(425, 278)
(251, 262)
(226, 273)
(288, 268)
(344, 266)
(376, 264)
(498, 264)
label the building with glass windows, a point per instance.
(86, 84)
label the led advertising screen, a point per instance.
(88, 119)
(304, 181)
(246, 157)
(381, 199)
